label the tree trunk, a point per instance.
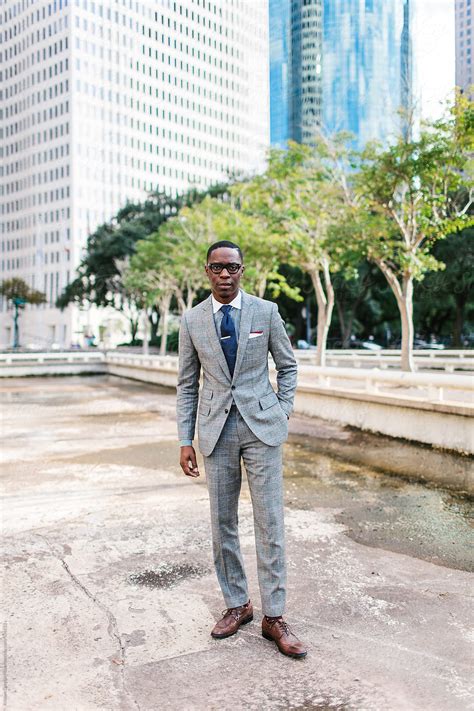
(345, 326)
(325, 300)
(154, 319)
(342, 322)
(133, 327)
(181, 302)
(406, 314)
(190, 299)
(185, 304)
(164, 313)
(347, 333)
(145, 332)
(459, 320)
(404, 297)
(346, 318)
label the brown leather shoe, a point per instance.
(276, 630)
(231, 620)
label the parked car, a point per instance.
(303, 345)
(420, 344)
(365, 345)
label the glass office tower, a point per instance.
(279, 57)
(366, 67)
(350, 67)
(305, 92)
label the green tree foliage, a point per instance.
(99, 278)
(17, 293)
(351, 234)
(413, 194)
(301, 198)
(170, 263)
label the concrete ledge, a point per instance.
(440, 425)
(157, 376)
(449, 408)
(28, 370)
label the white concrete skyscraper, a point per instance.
(105, 101)
(464, 45)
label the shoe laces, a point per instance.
(281, 624)
(236, 612)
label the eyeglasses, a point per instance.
(217, 267)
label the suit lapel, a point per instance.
(244, 331)
(213, 338)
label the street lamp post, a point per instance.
(18, 302)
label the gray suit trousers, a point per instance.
(263, 464)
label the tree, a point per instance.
(109, 247)
(150, 275)
(350, 296)
(300, 197)
(99, 275)
(170, 263)
(413, 194)
(18, 292)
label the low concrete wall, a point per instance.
(21, 365)
(28, 370)
(443, 425)
(430, 420)
(157, 376)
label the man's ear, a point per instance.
(243, 268)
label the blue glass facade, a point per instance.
(305, 92)
(350, 68)
(279, 57)
(366, 67)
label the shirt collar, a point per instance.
(236, 303)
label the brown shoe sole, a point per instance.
(294, 655)
(229, 634)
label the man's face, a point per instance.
(225, 286)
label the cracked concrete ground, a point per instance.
(109, 591)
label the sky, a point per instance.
(434, 53)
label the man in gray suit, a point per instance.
(228, 336)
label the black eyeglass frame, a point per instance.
(218, 267)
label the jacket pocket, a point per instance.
(268, 401)
(204, 408)
(206, 394)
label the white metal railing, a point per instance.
(448, 360)
(429, 386)
(157, 362)
(53, 357)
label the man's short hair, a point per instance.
(224, 243)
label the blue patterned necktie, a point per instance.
(228, 337)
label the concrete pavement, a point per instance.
(110, 591)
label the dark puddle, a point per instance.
(149, 455)
(320, 703)
(166, 575)
(383, 511)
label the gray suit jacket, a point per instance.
(264, 411)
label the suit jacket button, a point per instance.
(232, 387)
(226, 411)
